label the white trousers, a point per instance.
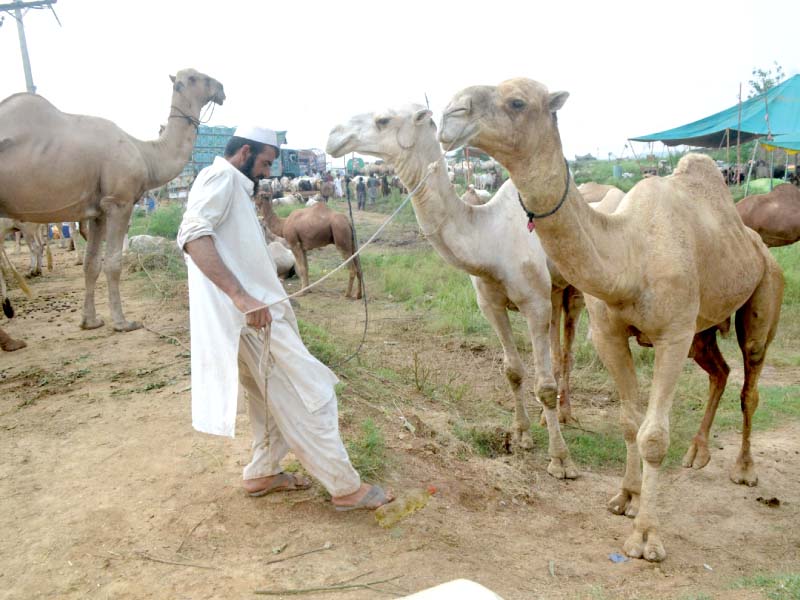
(281, 422)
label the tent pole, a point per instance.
(738, 143)
(750, 170)
(728, 151)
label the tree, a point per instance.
(764, 79)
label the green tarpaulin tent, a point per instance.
(782, 106)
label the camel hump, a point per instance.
(697, 165)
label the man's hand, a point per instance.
(260, 317)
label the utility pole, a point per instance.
(15, 10)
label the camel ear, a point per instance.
(421, 116)
(557, 100)
(172, 78)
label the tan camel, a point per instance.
(774, 216)
(507, 266)
(95, 172)
(594, 192)
(36, 239)
(650, 270)
(315, 227)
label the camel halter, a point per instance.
(531, 216)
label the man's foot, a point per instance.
(282, 482)
(368, 497)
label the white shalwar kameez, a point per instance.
(299, 410)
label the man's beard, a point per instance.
(247, 168)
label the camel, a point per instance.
(95, 172)
(650, 270)
(774, 216)
(314, 227)
(37, 241)
(7, 343)
(507, 267)
(594, 192)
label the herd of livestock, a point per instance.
(641, 262)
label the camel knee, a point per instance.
(514, 374)
(653, 444)
(547, 395)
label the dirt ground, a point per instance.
(107, 492)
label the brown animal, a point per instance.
(95, 172)
(315, 227)
(774, 216)
(594, 192)
(9, 344)
(650, 270)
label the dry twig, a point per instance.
(333, 588)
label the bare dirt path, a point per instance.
(107, 492)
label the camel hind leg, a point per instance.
(706, 354)
(573, 304)
(756, 323)
(91, 269)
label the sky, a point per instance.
(631, 67)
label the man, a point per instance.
(230, 288)
(372, 188)
(361, 193)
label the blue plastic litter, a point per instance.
(616, 557)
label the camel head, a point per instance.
(509, 121)
(199, 89)
(387, 134)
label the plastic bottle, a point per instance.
(390, 514)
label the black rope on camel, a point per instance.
(531, 216)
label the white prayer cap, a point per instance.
(257, 134)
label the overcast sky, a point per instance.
(631, 67)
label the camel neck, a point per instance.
(589, 248)
(447, 222)
(167, 156)
(271, 219)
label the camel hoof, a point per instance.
(128, 326)
(744, 475)
(562, 468)
(634, 545)
(624, 503)
(13, 345)
(697, 456)
(523, 440)
(654, 550)
(92, 323)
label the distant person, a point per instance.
(361, 193)
(385, 186)
(337, 187)
(372, 188)
(347, 181)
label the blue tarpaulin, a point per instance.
(780, 103)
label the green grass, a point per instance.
(421, 280)
(319, 342)
(367, 451)
(774, 587)
(163, 222)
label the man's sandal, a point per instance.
(282, 482)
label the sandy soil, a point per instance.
(107, 492)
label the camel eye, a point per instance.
(382, 122)
(517, 104)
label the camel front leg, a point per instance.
(495, 313)
(556, 302)
(653, 441)
(573, 305)
(117, 220)
(611, 342)
(91, 269)
(538, 317)
(73, 233)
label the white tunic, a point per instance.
(219, 205)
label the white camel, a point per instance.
(94, 172)
(507, 265)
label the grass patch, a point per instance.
(774, 587)
(368, 451)
(164, 221)
(489, 442)
(318, 341)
